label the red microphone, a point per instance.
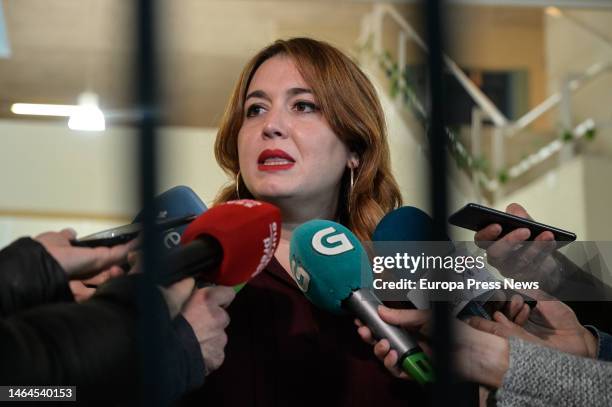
(227, 245)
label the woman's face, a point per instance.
(286, 148)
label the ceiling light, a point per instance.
(87, 116)
(36, 109)
(84, 116)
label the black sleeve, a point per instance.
(95, 345)
(192, 352)
(30, 276)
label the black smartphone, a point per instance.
(125, 233)
(486, 308)
(476, 217)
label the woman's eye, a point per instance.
(306, 107)
(254, 110)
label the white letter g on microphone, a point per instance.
(328, 244)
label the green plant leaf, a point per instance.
(567, 136)
(590, 134)
(503, 176)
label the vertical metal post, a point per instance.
(441, 394)
(150, 341)
(446, 389)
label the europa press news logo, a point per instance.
(327, 242)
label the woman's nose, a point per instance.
(275, 125)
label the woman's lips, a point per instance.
(274, 160)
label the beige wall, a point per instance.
(49, 169)
(597, 172)
(570, 49)
(53, 177)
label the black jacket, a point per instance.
(48, 339)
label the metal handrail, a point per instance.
(590, 73)
(488, 107)
(474, 91)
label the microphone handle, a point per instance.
(199, 258)
(363, 303)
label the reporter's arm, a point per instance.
(195, 368)
(93, 345)
(30, 276)
(540, 376)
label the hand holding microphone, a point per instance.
(228, 245)
(330, 265)
(206, 312)
(414, 321)
(480, 357)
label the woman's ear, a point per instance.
(353, 161)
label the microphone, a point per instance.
(410, 224)
(229, 244)
(331, 267)
(177, 202)
(407, 224)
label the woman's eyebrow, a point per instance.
(298, 91)
(258, 94)
(263, 95)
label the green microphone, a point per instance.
(332, 268)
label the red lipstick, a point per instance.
(274, 160)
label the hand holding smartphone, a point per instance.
(125, 233)
(477, 217)
(533, 261)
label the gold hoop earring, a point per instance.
(350, 193)
(238, 185)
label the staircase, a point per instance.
(499, 155)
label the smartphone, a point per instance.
(485, 308)
(125, 233)
(476, 217)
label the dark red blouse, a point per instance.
(283, 351)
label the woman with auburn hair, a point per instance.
(304, 130)
(347, 101)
